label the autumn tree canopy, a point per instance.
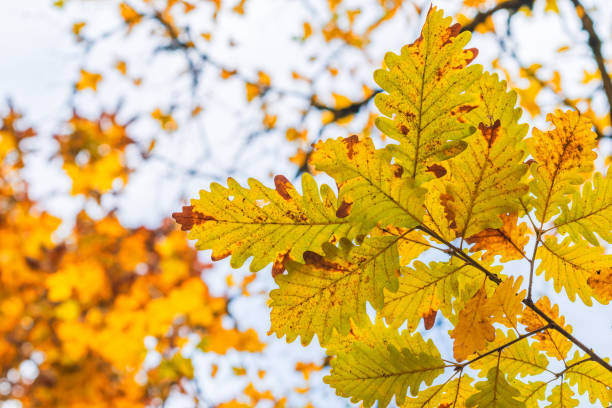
(442, 223)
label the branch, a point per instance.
(529, 303)
(460, 254)
(338, 113)
(352, 109)
(595, 45)
(511, 5)
(559, 374)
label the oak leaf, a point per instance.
(426, 97)
(571, 266)
(601, 283)
(508, 241)
(380, 371)
(590, 212)
(474, 327)
(550, 341)
(496, 392)
(563, 160)
(328, 291)
(486, 179)
(424, 288)
(590, 377)
(532, 392)
(517, 359)
(445, 395)
(377, 190)
(264, 223)
(562, 396)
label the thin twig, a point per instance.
(460, 254)
(595, 45)
(511, 5)
(338, 113)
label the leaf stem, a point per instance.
(532, 263)
(559, 374)
(460, 254)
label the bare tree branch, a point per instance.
(338, 113)
(511, 5)
(595, 45)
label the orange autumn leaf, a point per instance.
(299, 158)
(121, 66)
(307, 368)
(293, 134)
(601, 282)
(263, 79)
(239, 371)
(252, 91)
(474, 327)
(245, 284)
(255, 395)
(550, 341)
(88, 80)
(225, 73)
(507, 241)
(233, 404)
(239, 8)
(269, 121)
(165, 120)
(307, 29)
(78, 27)
(130, 16)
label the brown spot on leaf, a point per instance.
(398, 170)
(429, 319)
(350, 142)
(404, 130)
(278, 267)
(474, 55)
(490, 133)
(450, 34)
(283, 186)
(454, 30)
(445, 198)
(464, 109)
(345, 209)
(32, 263)
(221, 255)
(188, 218)
(314, 259)
(437, 170)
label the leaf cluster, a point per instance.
(462, 182)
